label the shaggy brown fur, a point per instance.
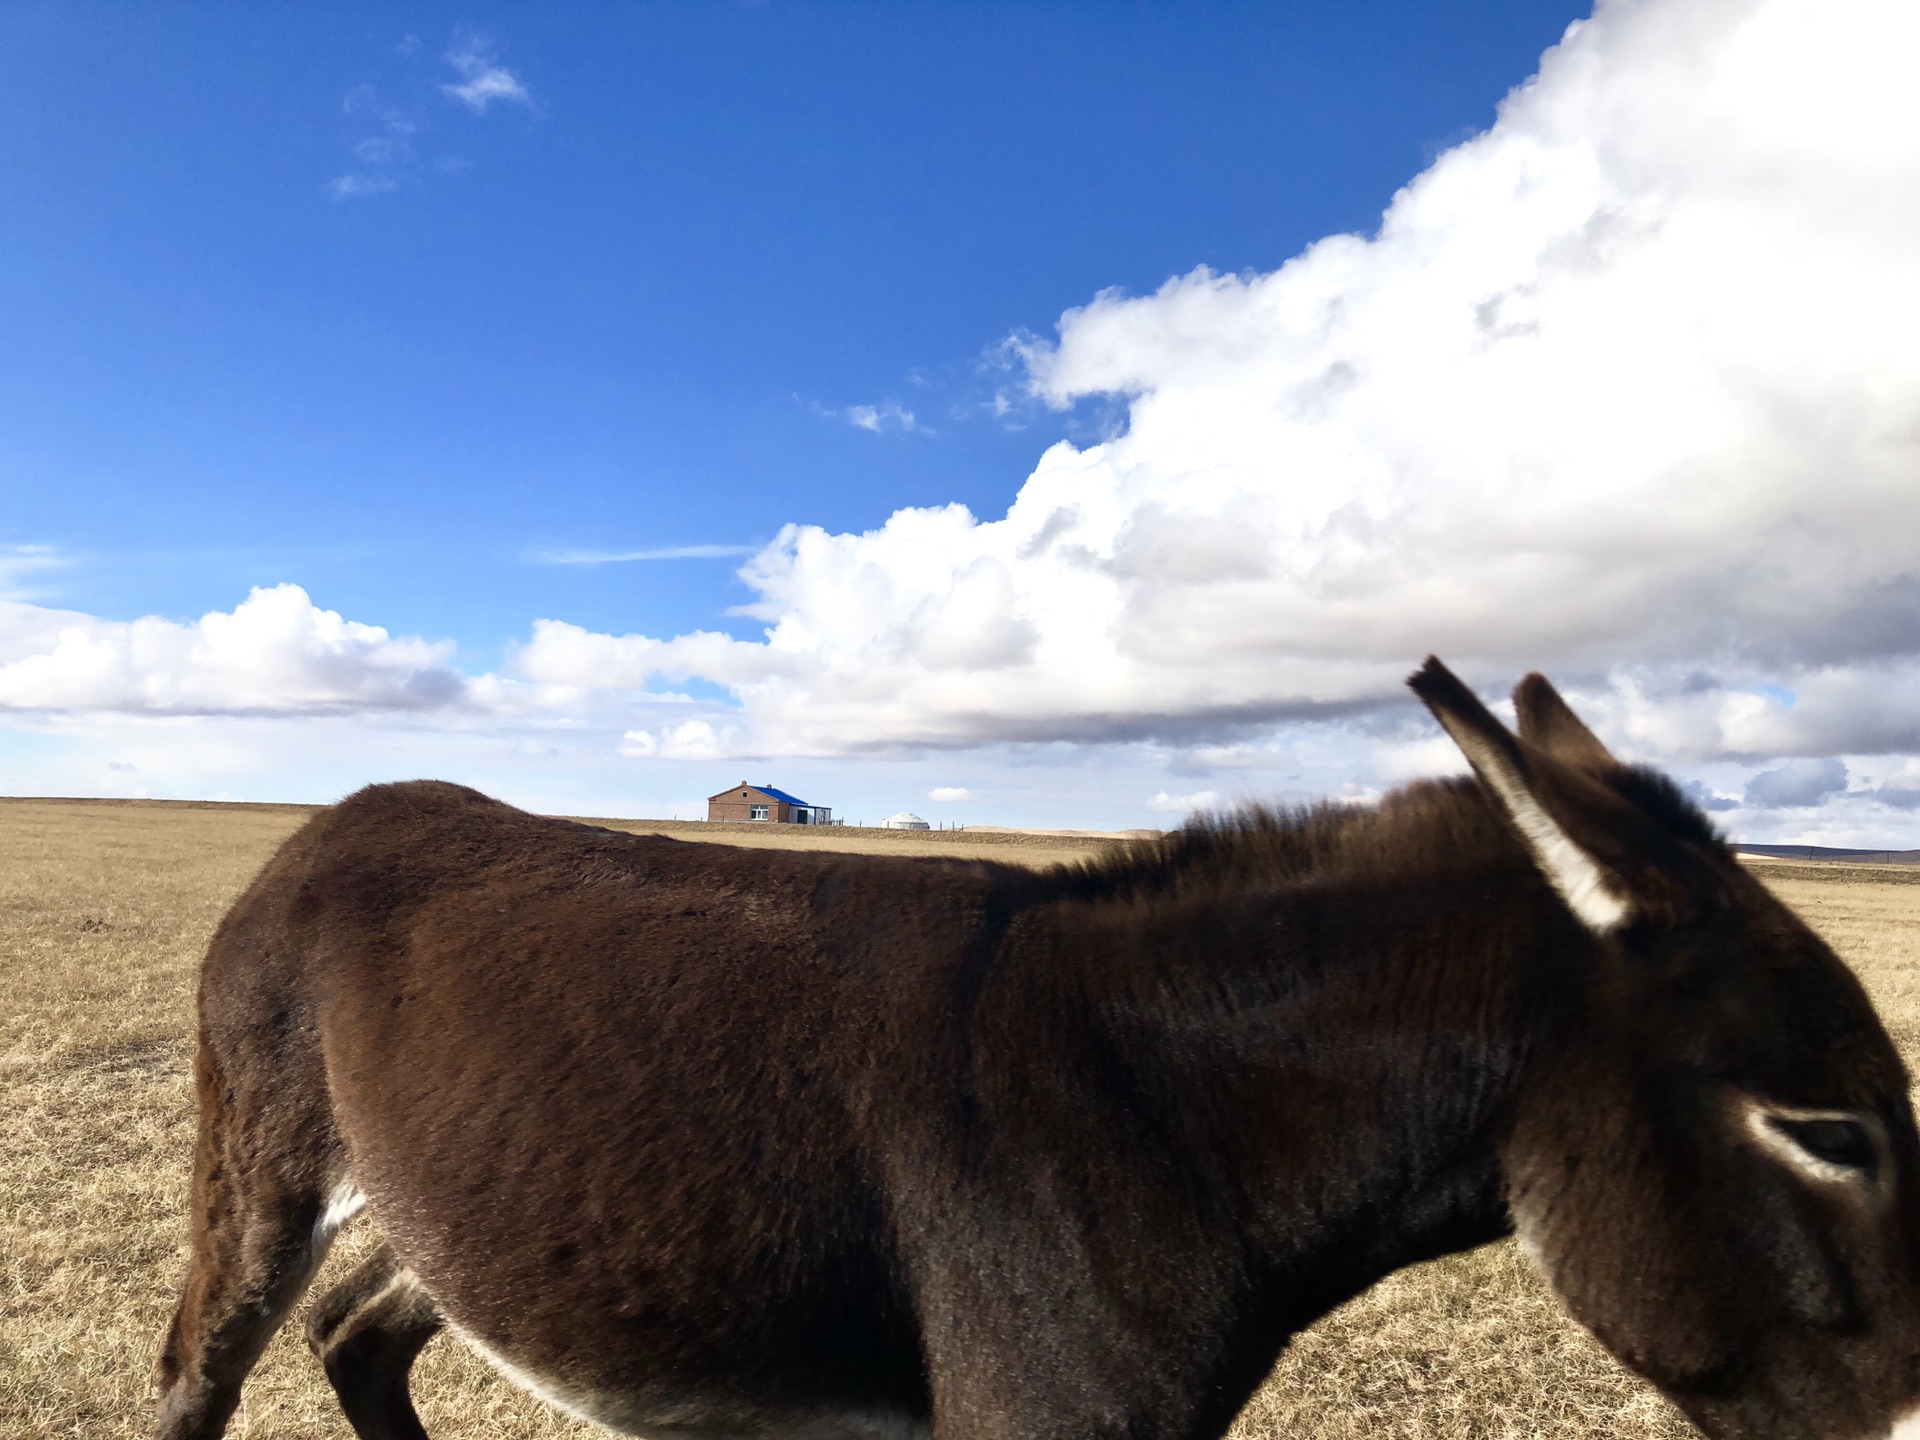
(703, 1141)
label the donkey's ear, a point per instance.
(1504, 768)
(1547, 722)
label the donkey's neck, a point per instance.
(1335, 1052)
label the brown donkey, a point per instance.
(703, 1142)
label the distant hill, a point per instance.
(1829, 852)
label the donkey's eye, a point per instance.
(1837, 1142)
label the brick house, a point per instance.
(763, 802)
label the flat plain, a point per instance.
(105, 908)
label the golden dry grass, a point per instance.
(104, 911)
(1020, 847)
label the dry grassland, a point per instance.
(104, 911)
(1021, 847)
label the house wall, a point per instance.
(737, 803)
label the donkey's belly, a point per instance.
(715, 1361)
(660, 1414)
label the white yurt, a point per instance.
(905, 820)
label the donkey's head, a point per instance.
(1714, 1162)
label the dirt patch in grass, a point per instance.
(105, 909)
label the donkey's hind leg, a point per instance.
(367, 1331)
(260, 1226)
(249, 1266)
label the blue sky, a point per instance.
(621, 317)
(427, 310)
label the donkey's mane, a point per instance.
(1664, 801)
(1275, 844)
(1433, 826)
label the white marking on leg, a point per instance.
(343, 1204)
(1528, 1236)
(400, 1281)
(1906, 1427)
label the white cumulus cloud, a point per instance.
(689, 740)
(1627, 388)
(1199, 800)
(275, 652)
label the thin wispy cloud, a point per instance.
(380, 160)
(484, 81)
(22, 567)
(400, 149)
(617, 557)
(890, 416)
(358, 186)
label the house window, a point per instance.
(756, 812)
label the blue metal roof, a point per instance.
(782, 795)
